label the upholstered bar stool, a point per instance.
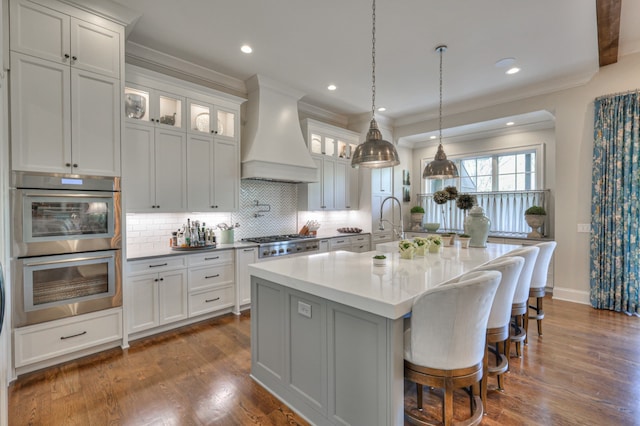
(444, 345)
(519, 307)
(538, 283)
(499, 320)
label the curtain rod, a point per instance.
(618, 94)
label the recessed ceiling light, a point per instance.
(332, 87)
(432, 137)
(510, 123)
(513, 70)
(382, 109)
(505, 62)
(246, 48)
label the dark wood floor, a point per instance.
(585, 370)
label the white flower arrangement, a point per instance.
(435, 239)
(421, 241)
(405, 245)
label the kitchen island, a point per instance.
(327, 329)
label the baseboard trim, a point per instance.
(571, 295)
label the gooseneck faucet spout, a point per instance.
(399, 233)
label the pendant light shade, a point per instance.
(374, 152)
(440, 167)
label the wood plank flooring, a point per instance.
(584, 370)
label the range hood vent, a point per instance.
(273, 147)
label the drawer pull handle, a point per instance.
(212, 258)
(248, 249)
(211, 300)
(155, 266)
(74, 335)
(212, 276)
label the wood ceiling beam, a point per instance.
(608, 17)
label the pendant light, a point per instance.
(374, 152)
(440, 167)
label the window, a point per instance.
(504, 183)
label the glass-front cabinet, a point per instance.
(331, 148)
(211, 119)
(145, 105)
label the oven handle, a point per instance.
(69, 195)
(75, 259)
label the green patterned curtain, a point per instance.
(615, 207)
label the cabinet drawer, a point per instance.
(216, 257)
(201, 278)
(210, 300)
(158, 264)
(360, 248)
(43, 341)
(340, 243)
(360, 239)
(381, 237)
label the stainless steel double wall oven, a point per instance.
(66, 245)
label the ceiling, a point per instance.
(311, 44)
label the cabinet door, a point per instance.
(170, 170)
(341, 185)
(313, 191)
(143, 293)
(95, 49)
(40, 115)
(381, 180)
(387, 213)
(199, 173)
(95, 124)
(138, 170)
(353, 188)
(226, 123)
(40, 31)
(328, 184)
(172, 296)
(226, 175)
(244, 257)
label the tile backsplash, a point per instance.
(266, 208)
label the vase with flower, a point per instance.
(422, 245)
(407, 249)
(435, 242)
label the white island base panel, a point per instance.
(327, 329)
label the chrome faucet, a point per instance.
(399, 233)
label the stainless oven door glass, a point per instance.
(57, 222)
(65, 285)
(66, 217)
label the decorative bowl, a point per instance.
(431, 226)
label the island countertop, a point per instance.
(388, 291)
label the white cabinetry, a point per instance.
(50, 340)
(154, 169)
(65, 91)
(381, 188)
(211, 282)
(244, 257)
(204, 173)
(382, 181)
(337, 186)
(355, 243)
(157, 291)
(213, 177)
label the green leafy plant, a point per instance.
(465, 201)
(535, 210)
(380, 256)
(464, 236)
(417, 209)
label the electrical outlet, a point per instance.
(584, 227)
(304, 309)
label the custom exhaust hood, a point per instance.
(273, 147)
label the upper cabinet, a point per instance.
(186, 134)
(331, 149)
(66, 66)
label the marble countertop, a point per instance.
(352, 279)
(167, 251)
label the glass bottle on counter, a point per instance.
(187, 233)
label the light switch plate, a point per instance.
(584, 227)
(304, 309)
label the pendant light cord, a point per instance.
(441, 49)
(373, 61)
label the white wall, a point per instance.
(573, 109)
